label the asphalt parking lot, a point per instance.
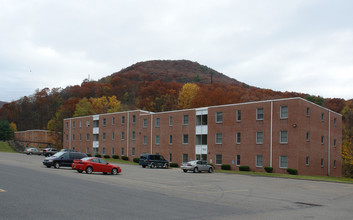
(167, 194)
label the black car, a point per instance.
(49, 151)
(153, 160)
(64, 159)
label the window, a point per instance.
(322, 117)
(219, 117)
(185, 139)
(113, 121)
(157, 139)
(170, 139)
(67, 125)
(87, 137)
(238, 115)
(322, 139)
(218, 159)
(145, 123)
(80, 124)
(103, 150)
(134, 119)
(104, 136)
(322, 162)
(122, 135)
(87, 150)
(133, 135)
(170, 157)
(284, 112)
(113, 136)
(80, 137)
(307, 136)
(104, 121)
(238, 138)
(307, 111)
(307, 161)
(133, 151)
(259, 160)
(186, 120)
(334, 142)
(259, 137)
(73, 124)
(122, 151)
(219, 138)
(334, 164)
(238, 160)
(112, 150)
(335, 121)
(185, 158)
(87, 123)
(170, 120)
(283, 162)
(122, 119)
(158, 123)
(144, 140)
(73, 137)
(284, 137)
(259, 114)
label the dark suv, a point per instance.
(64, 159)
(153, 160)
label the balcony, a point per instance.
(95, 130)
(95, 144)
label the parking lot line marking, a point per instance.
(2, 190)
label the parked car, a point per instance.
(64, 159)
(196, 166)
(94, 164)
(32, 150)
(49, 151)
(153, 160)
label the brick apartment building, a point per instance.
(36, 138)
(282, 133)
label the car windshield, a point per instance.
(86, 158)
(59, 154)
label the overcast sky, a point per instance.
(303, 46)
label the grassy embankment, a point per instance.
(5, 147)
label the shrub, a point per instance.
(124, 157)
(173, 165)
(225, 166)
(292, 171)
(244, 168)
(106, 156)
(269, 169)
(116, 156)
(98, 155)
(89, 155)
(136, 160)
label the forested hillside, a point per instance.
(152, 86)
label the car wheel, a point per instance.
(143, 166)
(89, 170)
(48, 166)
(196, 170)
(114, 171)
(185, 171)
(80, 171)
(30, 153)
(56, 165)
(165, 165)
(152, 165)
(210, 170)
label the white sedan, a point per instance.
(197, 166)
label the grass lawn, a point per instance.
(5, 147)
(111, 160)
(314, 178)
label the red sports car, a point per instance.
(94, 164)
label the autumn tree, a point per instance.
(83, 108)
(6, 132)
(347, 156)
(186, 95)
(105, 104)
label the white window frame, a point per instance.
(144, 123)
(258, 114)
(307, 161)
(144, 140)
(280, 161)
(238, 138)
(219, 137)
(158, 140)
(219, 117)
(283, 135)
(187, 136)
(185, 119)
(257, 137)
(216, 162)
(238, 115)
(259, 160)
(133, 135)
(170, 120)
(170, 139)
(237, 160)
(158, 122)
(284, 112)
